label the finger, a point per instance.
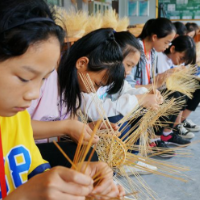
(88, 130)
(114, 191)
(104, 187)
(87, 138)
(73, 188)
(161, 100)
(155, 107)
(157, 93)
(94, 141)
(121, 190)
(70, 175)
(104, 125)
(114, 126)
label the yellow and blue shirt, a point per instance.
(21, 156)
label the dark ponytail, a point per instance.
(192, 27)
(24, 22)
(103, 52)
(180, 28)
(160, 27)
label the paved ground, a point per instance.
(169, 189)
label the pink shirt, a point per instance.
(48, 107)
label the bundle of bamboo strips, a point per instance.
(110, 19)
(79, 165)
(78, 24)
(183, 80)
(122, 24)
(73, 22)
(94, 22)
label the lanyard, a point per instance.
(148, 64)
(2, 171)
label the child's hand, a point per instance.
(150, 101)
(160, 79)
(76, 128)
(159, 97)
(179, 68)
(105, 185)
(104, 124)
(58, 183)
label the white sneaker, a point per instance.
(140, 168)
(183, 132)
(190, 125)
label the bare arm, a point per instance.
(43, 129)
(63, 183)
(70, 127)
(149, 87)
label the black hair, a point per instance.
(103, 52)
(192, 27)
(128, 42)
(16, 36)
(184, 44)
(180, 28)
(160, 26)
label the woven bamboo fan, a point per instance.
(183, 81)
(111, 149)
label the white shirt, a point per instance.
(163, 63)
(111, 105)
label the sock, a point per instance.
(166, 133)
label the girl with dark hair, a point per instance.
(120, 104)
(96, 54)
(180, 29)
(181, 51)
(192, 29)
(156, 36)
(30, 45)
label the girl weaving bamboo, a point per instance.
(156, 36)
(181, 51)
